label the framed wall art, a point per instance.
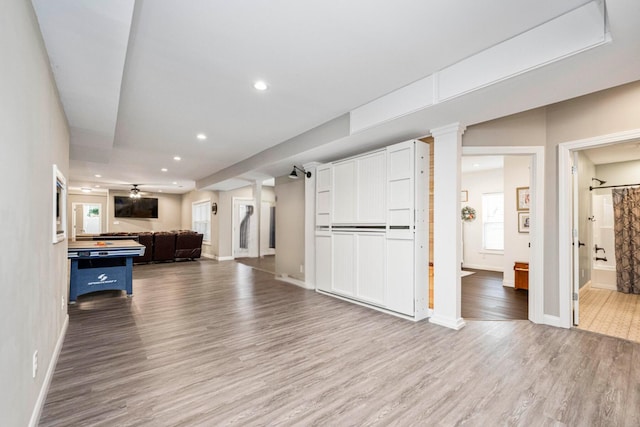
(59, 206)
(523, 198)
(524, 222)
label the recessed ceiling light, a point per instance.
(260, 85)
(96, 186)
(177, 158)
(98, 175)
(164, 169)
(201, 136)
(476, 165)
(159, 191)
(175, 183)
(85, 190)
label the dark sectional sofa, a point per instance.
(163, 246)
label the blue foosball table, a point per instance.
(102, 265)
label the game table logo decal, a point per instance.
(103, 279)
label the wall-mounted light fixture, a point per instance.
(294, 173)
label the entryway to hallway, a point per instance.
(485, 298)
(495, 220)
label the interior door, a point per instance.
(91, 218)
(575, 239)
(245, 227)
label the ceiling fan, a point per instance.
(134, 193)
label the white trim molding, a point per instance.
(565, 277)
(285, 278)
(42, 396)
(536, 260)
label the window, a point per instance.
(201, 219)
(493, 221)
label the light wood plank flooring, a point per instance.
(611, 313)
(207, 344)
(484, 298)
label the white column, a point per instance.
(447, 253)
(310, 226)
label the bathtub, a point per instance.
(603, 276)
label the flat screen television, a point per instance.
(144, 207)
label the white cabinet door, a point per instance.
(400, 279)
(400, 189)
(371, 189)
(344, 191)
(371, 253)
(323, 196)
(323, 262)
(343, 260)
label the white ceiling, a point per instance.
(190, 68)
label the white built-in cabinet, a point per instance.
(371, 239)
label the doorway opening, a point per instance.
(602, 177)
(495, 228)
(86, 219)
(535, 218)
(245, 228)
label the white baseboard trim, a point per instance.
(508, 283)
(364, 304)
(607, 286)
(42, 396)
(223, 258)
(585, 287)
(285, 278)
(208, 256)
(552, 320)
(447, 322)
(483, 267)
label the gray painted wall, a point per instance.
(33, 271)
(290, 227)
(600, 113)
(169, 214)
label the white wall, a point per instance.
(516, 245)
(476, 184)
(586, 171)
(621, 173)
(169, 214)
(290, 233)
(208, 249)
(33, 272)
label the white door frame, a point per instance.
(565, 223)
(536, 185)
(74, 221)
(235, 224)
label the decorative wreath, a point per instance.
(468, 214)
